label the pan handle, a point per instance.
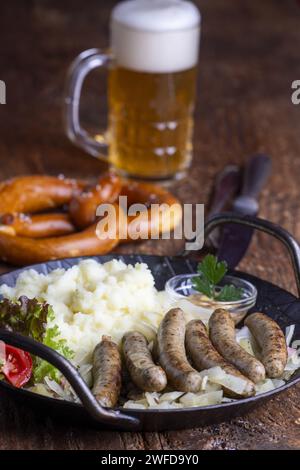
(96, 411)
(264, 226)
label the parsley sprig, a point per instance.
(211, 272)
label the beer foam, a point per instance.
(156, 35)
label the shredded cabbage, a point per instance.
(289, 333)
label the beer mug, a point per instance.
(152, 67)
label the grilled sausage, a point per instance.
(144, 373)
(171, 353)
(271, 340)
(204, 356)
(222, 335)
(107, 372)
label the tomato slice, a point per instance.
(18, 366)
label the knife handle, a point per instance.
(256, 172)
(264, 226)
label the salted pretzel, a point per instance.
(37, 225)
(29, 234)
(163, 214)
(22, 251)
(83, 208)
(36, 193)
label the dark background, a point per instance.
(249, 58)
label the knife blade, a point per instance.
(226, 187)
(235, 239)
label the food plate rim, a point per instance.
(139, 258)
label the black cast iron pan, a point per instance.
(272, 300)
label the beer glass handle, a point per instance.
(82, 65)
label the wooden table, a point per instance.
(249, 58)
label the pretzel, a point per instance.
(166, 216)
(28, 236)
(37, 226)
(84, 205)
(36, 193)
(22, 251)
(83, 208)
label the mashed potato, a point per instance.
(92, 299)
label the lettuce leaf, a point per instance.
(26, 316)
(43, 368)
(30, 318)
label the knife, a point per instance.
(226, 187)
(235, 239)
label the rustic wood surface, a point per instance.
(249, 57)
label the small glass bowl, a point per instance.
(181, 287)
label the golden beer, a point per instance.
(151, 121)
(152, 62)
